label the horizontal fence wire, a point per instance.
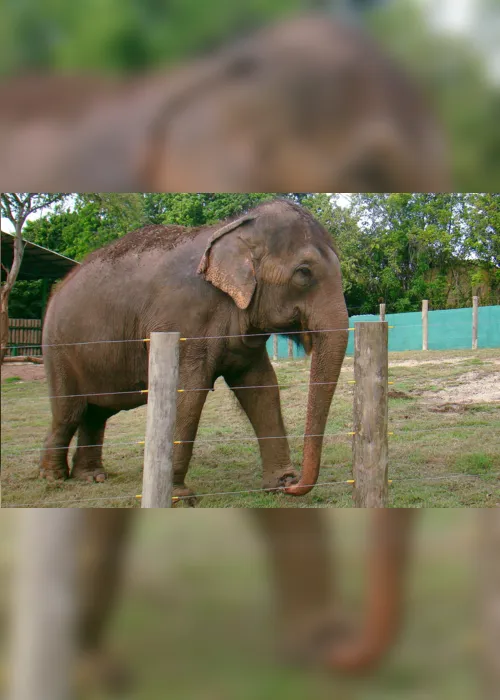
(200, 337)
(390, 433)
(183, 391)
(286, 385)
(185, 442)
(396, 379)
(247, 335)
(262, 490)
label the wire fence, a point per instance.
(278, 489)
(237, 335)
(340, 434)
(400, 429)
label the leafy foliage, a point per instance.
(117, 36)
(397, 248)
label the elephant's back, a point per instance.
(118, 285)
(160, 237)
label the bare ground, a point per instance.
(26, 371)
(472, 387)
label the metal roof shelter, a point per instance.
(38, 262)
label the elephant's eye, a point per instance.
(302, 275)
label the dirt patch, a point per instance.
(417, 363)
(449, 408)
(395, 394)
(26, 371)
(472, 387)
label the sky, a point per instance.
(464, 17)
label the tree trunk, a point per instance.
(7, 288)
(4, 331)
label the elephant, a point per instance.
(311, 627)
(226, 288)
(310, 103)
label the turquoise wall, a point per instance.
(449, 329)
(283, 348)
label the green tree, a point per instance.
(482, 218)
(404, 237)
(96, 219)
(198, 209)
(16, 207)
(453, 71)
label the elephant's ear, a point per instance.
(228, 264)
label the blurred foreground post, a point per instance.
(370, 415)
(425, 324)
(162, 407)
(489, 597)
(45, 605)
(475, 303)
(382, 312)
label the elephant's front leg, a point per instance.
(263, 409)
(104, 541)
(190, 402)
(302, 576)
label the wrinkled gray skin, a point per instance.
(307, 104)
(271, 270)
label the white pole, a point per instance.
(425, 324)
(275, 347)
(475, 304)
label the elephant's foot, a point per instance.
(89, 473)
(310, 641)
(280, 479)
(185, 495)
(53, 473)
(99, 672)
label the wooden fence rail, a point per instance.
(25, 337)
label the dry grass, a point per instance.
(445, 452)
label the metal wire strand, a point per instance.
(180, 391)
(234, 493)
(182, 442)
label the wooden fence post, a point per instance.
(425, 324)
(160, 426)
(45, 610)
(275, 347)
(382, 312)
(475, 304)
(370, 451)
(290, 348)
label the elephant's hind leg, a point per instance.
(87, 460)
(65, 420)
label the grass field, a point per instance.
(195, 619)
(444, 411)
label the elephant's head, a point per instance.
(279, 265)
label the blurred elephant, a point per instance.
(310, 627)
(307, 104)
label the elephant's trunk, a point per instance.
(328, 350)
(388, 559)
